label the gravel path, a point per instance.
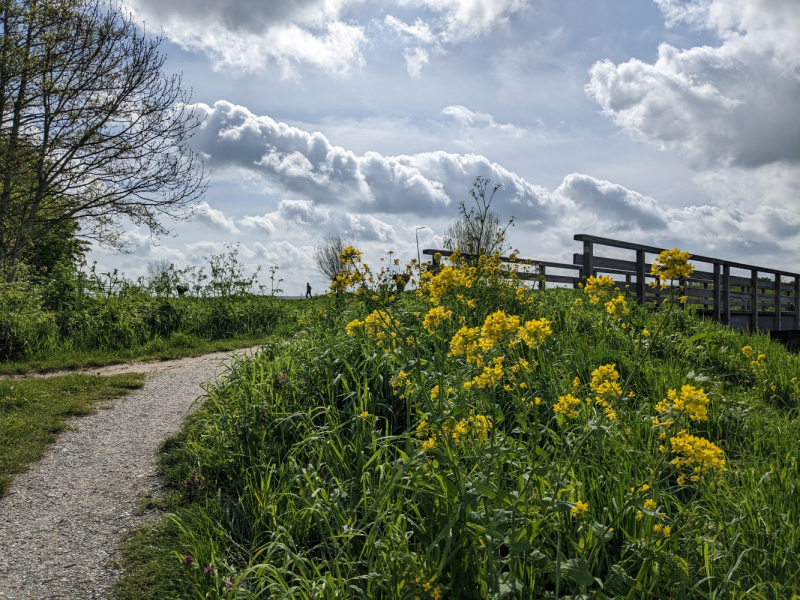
(61, 523)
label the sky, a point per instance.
(670, 123)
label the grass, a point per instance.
(34, 411)
(349, 462)
(177, 346)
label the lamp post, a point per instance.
(416, 235)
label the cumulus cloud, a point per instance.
(214, 218)
(469, 119)
(415, 61)
(730, 105)
(248, 34)
(467, 18)
(308, 166)
(379, 198)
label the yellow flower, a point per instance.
(617, 307)
(681, 479)
(435, 316)
(465, 341)
(402, 385)
(665, 531)
(747, 351)
(580, 508)
(670, 265)
(462, 319)
(598, 288)
(495, 325)
(684, 299)
(650, 504)
(351, 327)
(773, 388)
(508, 387)
(689, 400)
(537, 401)
(696, 452)
(435, 392)
(364, 415)
(374, 296)
(567, 405)
(471, 303)
(534, 332)
(391, 298)
(645, 333)
(429, 444)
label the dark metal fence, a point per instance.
(758, 299)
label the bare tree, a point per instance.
(90, 128)
(478, 231)
(326, 254)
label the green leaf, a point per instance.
(577, 569)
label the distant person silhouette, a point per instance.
(308, 290)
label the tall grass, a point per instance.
(81, 312)
(332, 466)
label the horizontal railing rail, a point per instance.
(755, 302)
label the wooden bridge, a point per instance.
(759, 298)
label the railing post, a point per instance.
(717, 294)
(588, 260)
(754, 299)
(777, 302)
(641, 289)
(682, 284)
(542, 277)
(726, 295)
(796, 303)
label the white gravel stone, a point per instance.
(62, 521)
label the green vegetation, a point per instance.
(77, 317)
(483, 440)
(34, 411)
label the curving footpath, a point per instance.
(62, 521)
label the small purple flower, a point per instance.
(209, 570)
(188, 559)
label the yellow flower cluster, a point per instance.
(598, 288)
(376, 323)
(433, 287)
(671, 264)
(534, 332)
(757, 365)
(475, 426)
(489, 377)
(429, 444)
(580, 508)
(747, 351)
(689, 400)
(435, 316)
(697, 453)
(349, 274)
(605, 384)
(401, 385)
(567, 405)
(662, 530)
(617, 307)
(465, 341)
(495, 326)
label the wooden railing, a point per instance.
(752, 301)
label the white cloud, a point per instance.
(249, 34)
(214, 218)
(415, 61)
(469, 119)
(379, 198)
(466, 18)
(419, 30)
(731, 105)
(308, 166)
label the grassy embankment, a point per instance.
(354, 462)
(34, 411)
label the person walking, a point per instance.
(308, 291)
